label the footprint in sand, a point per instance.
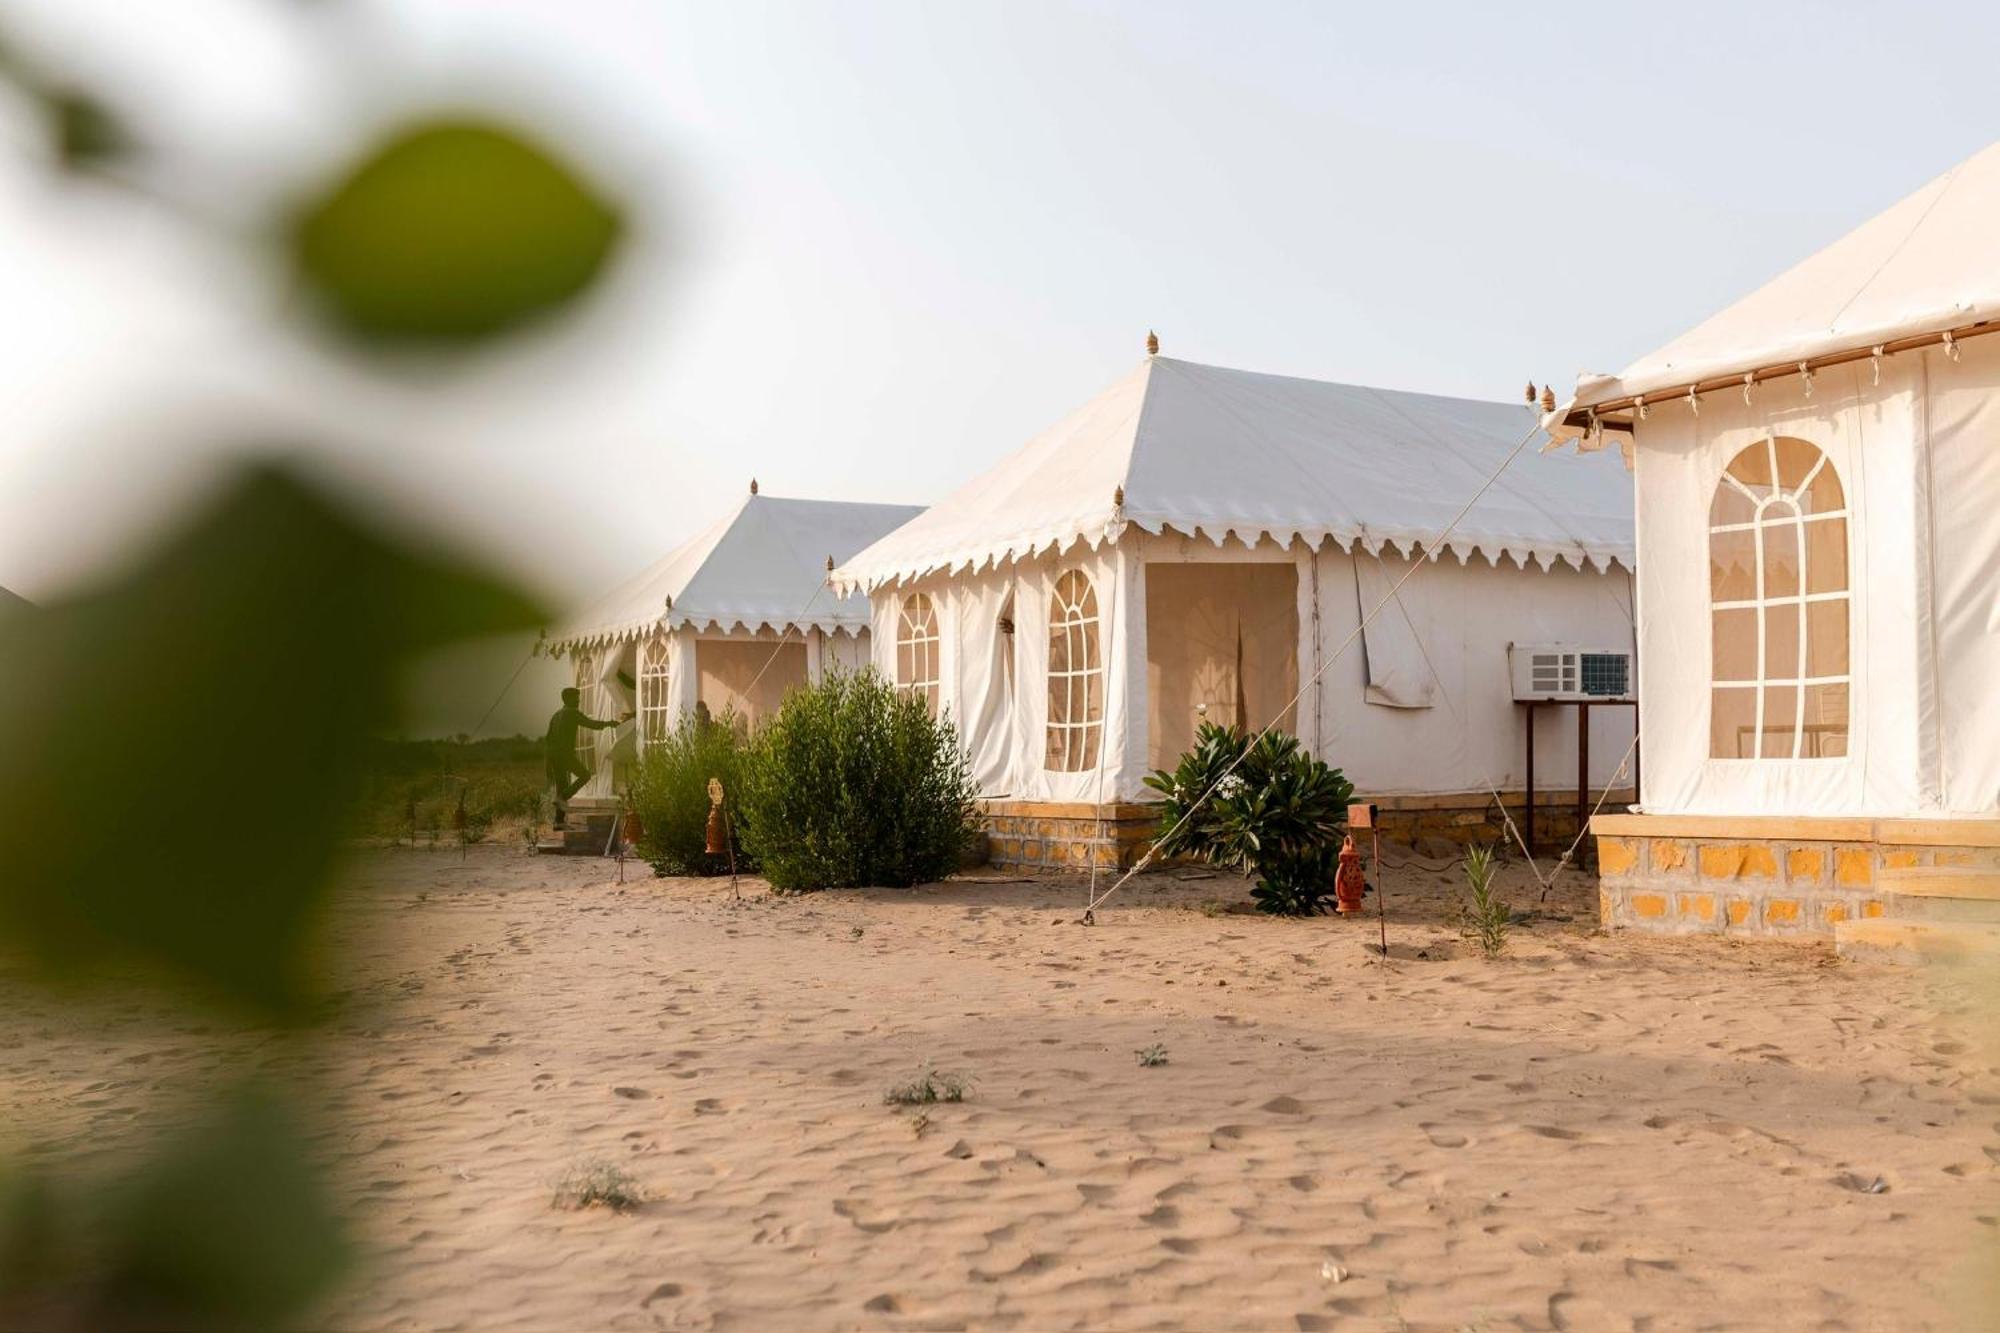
(666, 1291)
(1441, 1137)
(1284, 1106)
(631, 1094)
(1552, 1132)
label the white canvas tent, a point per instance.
(731, 619)
(1195, 542)
(1874, 695)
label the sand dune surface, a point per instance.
(1590, 1133)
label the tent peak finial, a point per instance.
(1548, 399)
(1152, 343)
(829, 564)
(1118, 498)
(1530, 395)
(753, 485)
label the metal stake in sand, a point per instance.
(1362, 815)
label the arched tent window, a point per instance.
(655, 707)
(917, 649)
(586, 680)
(1778, 593)
(1076, 676)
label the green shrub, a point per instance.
(670, 791)
(852, 784)
(1278, 815)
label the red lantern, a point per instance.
(1349, 884)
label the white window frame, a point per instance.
(917, 640)
(655, 695)
(1075, 739)
(1762, 603)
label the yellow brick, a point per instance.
(1899, 860)
(1781, 912)
(1722, 860)
(1759, 862)
(1603, 906)
(1669, 854)
(1649, 904)
(1871, 908)
(1958, 858)
(1615, 856)
(1806, 864)
(1852, 866)
(1836, 913)
(1739, 911)
(1698, 905)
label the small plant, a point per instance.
(919, 1122)
(1484, 917)
(928, 1087)
(1152, 1057)
(854, 784)
(1270, 810)
(595, 1183)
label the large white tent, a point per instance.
(1196, 542)
(1870, 354)
(1818, 482)
(731, 619)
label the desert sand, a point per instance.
(1590, 1133)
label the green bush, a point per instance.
(1277, 815)
(670, 791)
(852, 784)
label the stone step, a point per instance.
(1942, 893)
(1905, 940)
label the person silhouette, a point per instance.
(566, 770)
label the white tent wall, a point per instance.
(606, 695)
(1003, 729)
(1462, 617)
(1963, 417)
(1871, 435)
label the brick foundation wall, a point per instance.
(1765, 876)
(1063, 835)
(1059, 835)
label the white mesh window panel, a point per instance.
(586, 679)
(1076, 677)
(917, 649)
(1779, 599)
(655, 708)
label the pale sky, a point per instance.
(888, 242)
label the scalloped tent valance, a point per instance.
(1207, 451)
(763, 566)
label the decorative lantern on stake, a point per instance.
(718, 837)
(1349, 883)
(719, 840)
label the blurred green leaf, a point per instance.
(85, 131)
(178, 751)
(449, 232)
(228, 1226)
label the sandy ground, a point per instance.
(1591, 1133)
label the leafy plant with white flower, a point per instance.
(1276, 814)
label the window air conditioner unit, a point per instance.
(1562, 672)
